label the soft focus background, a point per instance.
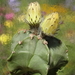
(12, 15)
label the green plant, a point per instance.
(33, 53)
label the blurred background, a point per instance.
(12, 15)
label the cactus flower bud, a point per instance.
(50, 24)
(33, 14)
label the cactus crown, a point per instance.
(48, 25)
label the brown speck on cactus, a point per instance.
(66, 51)
(18, 32)
(39, 37)
(45, 42)
(25, 31)
(13, 51)
(31, 36)
(20, 42)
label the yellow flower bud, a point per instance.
(50, 24)
(33, 15)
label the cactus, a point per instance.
(33, 57)
(28, 55)
(36, 55)
(18, 37)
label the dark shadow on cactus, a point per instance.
(52, 71)
(53, 43)
(56, 68)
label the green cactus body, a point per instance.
(20, 36)
(33, 56)
(28, 56)
(59, 56)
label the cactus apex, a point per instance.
(45, 42)
(31, 36)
